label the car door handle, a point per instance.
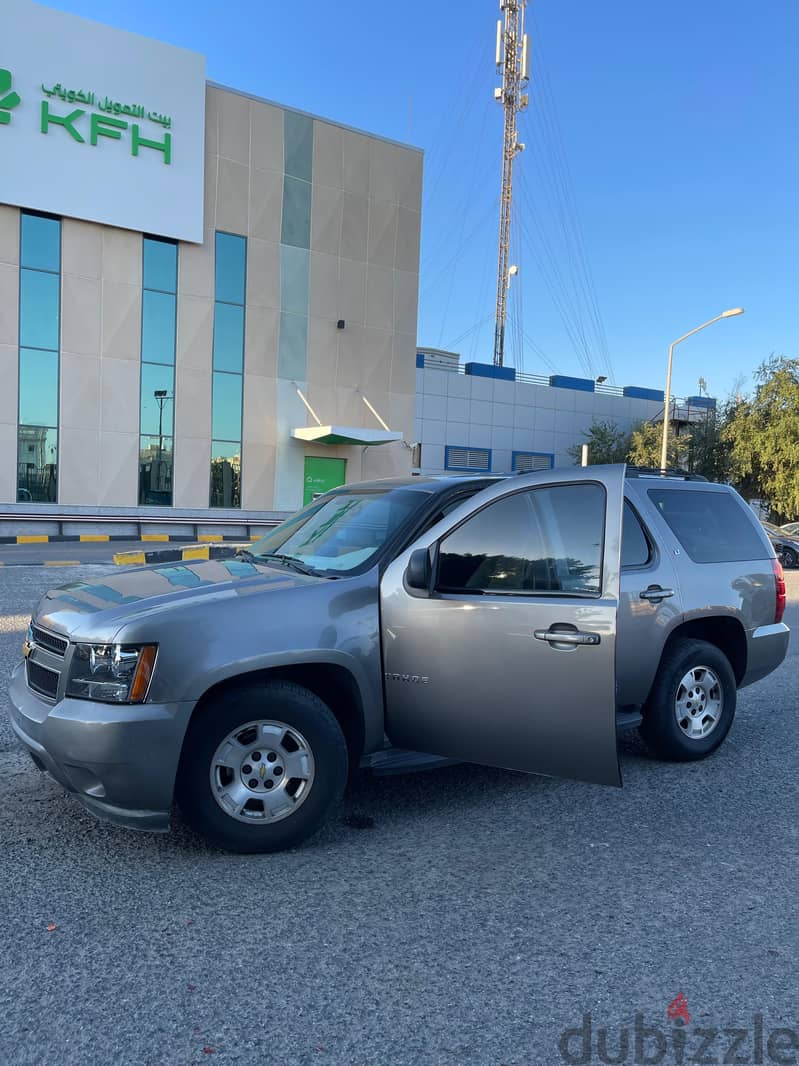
(566, 636)
(655, 594)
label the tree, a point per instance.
(606, 444)
(645, 444)
(762, 432)
(708, 452)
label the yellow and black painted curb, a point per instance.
(176, 555)
(65, 538)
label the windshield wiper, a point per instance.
(244, 553)
(290, 561)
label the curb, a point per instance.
(74, 538)
(175, 555)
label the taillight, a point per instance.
(779, 583)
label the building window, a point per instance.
(526, 462)
(228, 369)
(467, 459)
(157, 405)
(39, 331)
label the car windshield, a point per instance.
(342, 532)
(792, 528)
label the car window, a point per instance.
(447, 506)
(635, 550)
(712, 527)
(341, 532)
(544, 540)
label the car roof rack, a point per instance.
(672, 472)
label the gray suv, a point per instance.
(517, 622)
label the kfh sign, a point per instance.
(100, 124)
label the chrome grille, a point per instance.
(42, 680)
(57, 645)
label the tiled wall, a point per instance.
(508, 416)
(332, 221)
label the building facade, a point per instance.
(477, 417)
(236, 373)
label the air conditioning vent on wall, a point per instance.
(526, 462)
(468, 458)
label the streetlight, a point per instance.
(667, 398)
(161, 397)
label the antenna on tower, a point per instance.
(513, 62)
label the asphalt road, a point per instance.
(465, 915)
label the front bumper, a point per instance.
(119, 759)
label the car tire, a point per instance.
(691, 706)
(789, 559)
(228, 788)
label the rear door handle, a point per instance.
(655, 594)
(566, 636)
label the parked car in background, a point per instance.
(785, 544)
(791, 528)
(515, 622)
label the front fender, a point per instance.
(370, 689)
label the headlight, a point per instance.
(113, 673)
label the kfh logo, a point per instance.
(680, 1043)
(8, 99)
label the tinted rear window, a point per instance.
(713, 527)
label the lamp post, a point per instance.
(161, 396)
(667, 397)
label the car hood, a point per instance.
(100, 608)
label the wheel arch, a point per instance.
(331, 682)
(724, 632)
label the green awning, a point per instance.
(345, 435)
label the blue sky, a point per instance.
(662, 163)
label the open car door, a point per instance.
(499, 628)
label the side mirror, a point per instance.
(419, 572)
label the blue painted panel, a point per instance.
(560, 381)
(634, 393)
(419, 361)
(488, 370)
(701, 401)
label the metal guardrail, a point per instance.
(137, 521)
(530, 379)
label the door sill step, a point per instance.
(399, 761)
(627, 720)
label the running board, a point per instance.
(399, 761)
(627, 720)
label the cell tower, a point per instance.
(513, 64)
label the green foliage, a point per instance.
(645, 444)
(762, 436)
(606, 444)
